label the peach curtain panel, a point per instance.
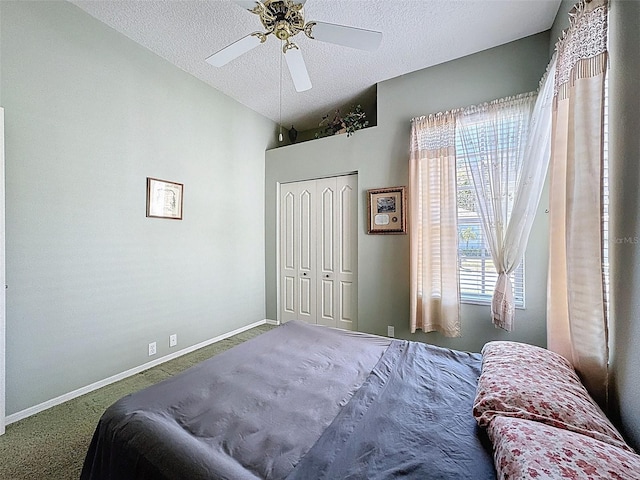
(576, 308)
(435, 296)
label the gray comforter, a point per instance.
(300, 402)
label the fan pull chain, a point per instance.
(281, 54)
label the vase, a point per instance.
(293, 134)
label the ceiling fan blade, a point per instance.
(343, 35)
(297, 68)
(247, 4)
(233, 51)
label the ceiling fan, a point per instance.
(285, 19)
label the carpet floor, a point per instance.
(52, 444)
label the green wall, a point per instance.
(560, 23)
(89, 115)
(624, 237)
(380, 156)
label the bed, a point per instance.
(304, 402)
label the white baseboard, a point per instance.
(133, 371)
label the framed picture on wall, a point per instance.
(387, 210)
(164, 199)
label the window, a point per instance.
(465, 171)
(477, 273)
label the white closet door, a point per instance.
(2, 279)
(337, 225)
(346, 252)
(326, 253)
(318, 251)
(298, 251)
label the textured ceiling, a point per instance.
(416, 34)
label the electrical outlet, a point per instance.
(152, 348)
(390, 331)
(173, 340)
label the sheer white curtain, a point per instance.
(435, 297)
(506, 148)
(576, 307)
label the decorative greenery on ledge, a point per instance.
(334, 124)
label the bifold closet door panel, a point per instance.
(346, 252)
(298, 251)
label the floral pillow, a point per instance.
(529, 382)
(523, 449)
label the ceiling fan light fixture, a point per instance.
(282, 30)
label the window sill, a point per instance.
(486, 303)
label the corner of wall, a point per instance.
(624, 175)
(560, 23)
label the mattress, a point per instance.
(301, 402)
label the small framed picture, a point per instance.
(387, 210)
(164, 199)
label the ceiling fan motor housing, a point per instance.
(283, 18)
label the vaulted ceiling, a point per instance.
(416, 34)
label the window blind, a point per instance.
(477, 273)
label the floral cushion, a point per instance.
(523, 449)
(525, 381)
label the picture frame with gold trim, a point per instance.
(387, 210)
